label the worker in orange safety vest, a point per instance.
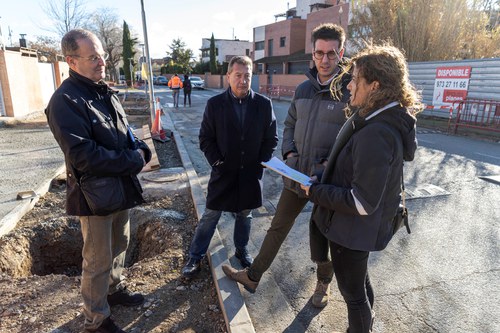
(175, 84)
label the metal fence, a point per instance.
(476, 113)
(276, 91)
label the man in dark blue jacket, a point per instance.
(90, 126)
(237, 133)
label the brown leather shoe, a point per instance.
(321, 294)
(240, 277)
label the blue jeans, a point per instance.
(206, 229)
(175, 95)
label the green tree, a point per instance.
(128, 53)
(201, 67)
(180, 57)
(213, 60)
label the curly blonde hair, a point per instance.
(385, 64)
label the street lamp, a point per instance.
(144, 72)
(340, 15)
(131, 72)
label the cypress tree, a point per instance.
(128, 53)
(213, 61)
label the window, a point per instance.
(282, 41)
(259, 46)
(247, 52)
(270, 48)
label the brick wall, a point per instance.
(327, 15)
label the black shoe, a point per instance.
(191, 268)
(107, 326)
(244, 257)
(125, 297)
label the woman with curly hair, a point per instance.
(360, 189)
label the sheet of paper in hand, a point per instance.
(280, 167)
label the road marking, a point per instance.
(491, 156)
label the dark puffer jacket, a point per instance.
(357, 211)
(90, 125)
(313, 121)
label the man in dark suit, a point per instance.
(237, 133)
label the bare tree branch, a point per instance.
(65, 15)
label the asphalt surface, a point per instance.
(444, 277)
(29, 159)
(441, 278)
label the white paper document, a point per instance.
(280, 167)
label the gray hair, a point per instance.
(69, 43)
(242, 60)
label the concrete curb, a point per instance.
(10, 220)
(231, 301)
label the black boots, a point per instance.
(244, 257)
(192, 268)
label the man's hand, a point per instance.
(305, 188)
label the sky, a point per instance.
(190, 20)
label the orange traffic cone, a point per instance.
(157, 133)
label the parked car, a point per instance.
(197, 82)
(161, 81)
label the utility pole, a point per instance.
(1, 37)
(10, 36)
(152, 101)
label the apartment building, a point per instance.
(225, 49)
(285, 47)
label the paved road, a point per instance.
(443, 277)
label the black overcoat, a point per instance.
(236, 181)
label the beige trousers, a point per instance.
(105, 242)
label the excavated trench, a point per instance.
(54, 246)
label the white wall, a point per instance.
(47, 82)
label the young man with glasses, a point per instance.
(90, 125)
(314, 119)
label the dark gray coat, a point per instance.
(80, 115)
(369, 167)
(313, 121)
(236, 182)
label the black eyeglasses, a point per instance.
(332, 55)
(94, 58)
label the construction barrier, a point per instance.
(477, 113)
(277, 91)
